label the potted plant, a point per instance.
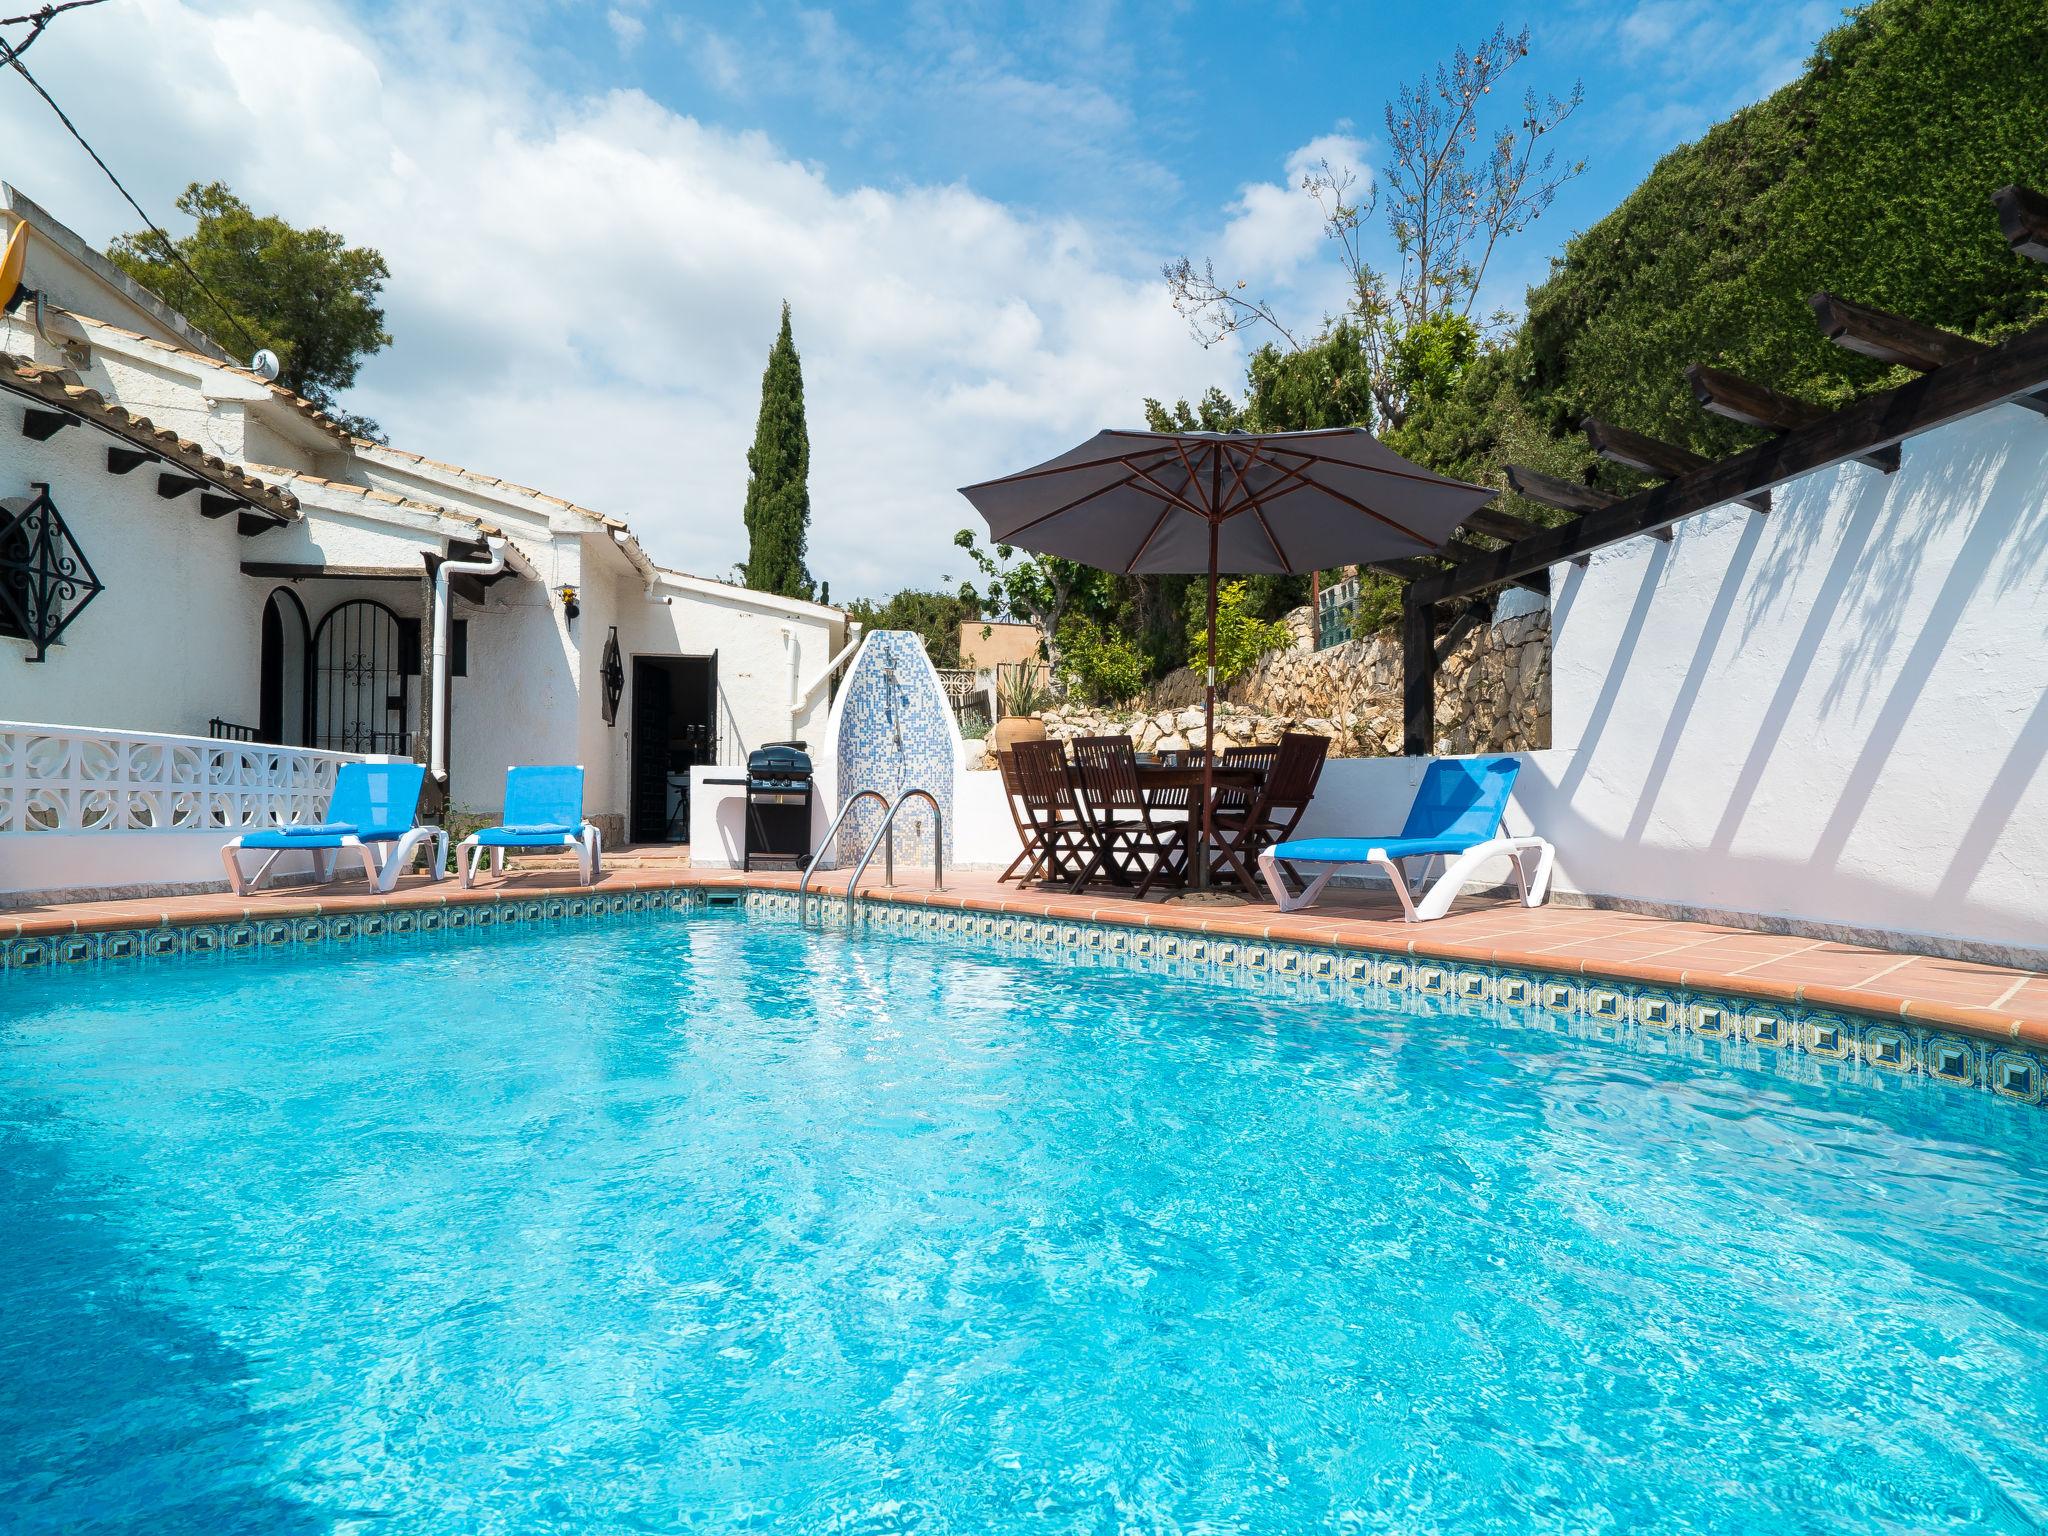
(1022, 695)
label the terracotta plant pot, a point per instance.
(1012, 729)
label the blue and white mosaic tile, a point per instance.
(893, 730)
(1732, 1031)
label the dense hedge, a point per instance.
(1869, 176)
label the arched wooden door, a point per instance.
(360, 694)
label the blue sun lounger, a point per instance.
(1456, 817)
(370, 814)
(543, 809)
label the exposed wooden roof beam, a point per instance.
(1632, 450)
(171, 486)
(121, 460)
(41, 426)
(1758, 405)
(2023, 215)
(2000, 374)
(211, 505)
(272, 570)
(251, 522)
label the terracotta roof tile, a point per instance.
(57, 388)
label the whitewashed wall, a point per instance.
(175, 638)
(1837, 713)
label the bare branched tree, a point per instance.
(1448, 203)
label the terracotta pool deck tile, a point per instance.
(1986, 1000)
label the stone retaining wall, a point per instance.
(1492, 695)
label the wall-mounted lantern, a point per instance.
(570, 607)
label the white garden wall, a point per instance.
(1836, 713)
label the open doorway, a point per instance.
(285, 701)
(674, 727)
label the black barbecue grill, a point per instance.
(778, 784)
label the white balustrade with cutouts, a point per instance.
(89, 808)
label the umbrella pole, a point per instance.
(1209, 731)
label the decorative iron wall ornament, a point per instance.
(45, 579)
(613, 671)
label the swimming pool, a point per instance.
(704, 1222)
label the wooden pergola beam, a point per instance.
(1732, 396)
(1890, 338)
(1998, 375)
(2023, 215)
(1565, 495)
(1500, 525)
(1668, 461)
(1895, 339)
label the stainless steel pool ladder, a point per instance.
(885, 838)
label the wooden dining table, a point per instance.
(1160, 778)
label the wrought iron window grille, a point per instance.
(45, 579)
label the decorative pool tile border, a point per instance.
(367, 925)
(1735, 1030)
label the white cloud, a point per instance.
(584, 288)
(1275, 228)
(627, 28)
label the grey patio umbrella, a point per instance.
(1279, 502)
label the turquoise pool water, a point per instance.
(709, 1224)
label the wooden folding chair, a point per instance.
(1279, 804)
(1051, 823)
(1128, 841)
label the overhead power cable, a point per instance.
(11, 55)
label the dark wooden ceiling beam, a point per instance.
(2023, 215)
(1632, 450)
(121, 460)
(1732, 396)
(274, 570)
(41, 426)
(1999, 375)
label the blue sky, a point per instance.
(1149, 117)
(594, 211)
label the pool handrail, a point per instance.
(887, 830)
(831, 832)
(885, 838)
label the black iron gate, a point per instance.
(359, 680)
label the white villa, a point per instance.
(240, 569)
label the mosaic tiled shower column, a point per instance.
(893, 730)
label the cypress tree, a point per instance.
(778, 477)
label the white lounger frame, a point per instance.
(589, 846)
(1436, 900)
(382, 873)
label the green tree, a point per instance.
(934, 617)
(778, 511)
(1098, 660)
(1242, 637)
(1868, 176)
(304, 294)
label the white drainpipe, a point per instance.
(490, 565)
(805, 694)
